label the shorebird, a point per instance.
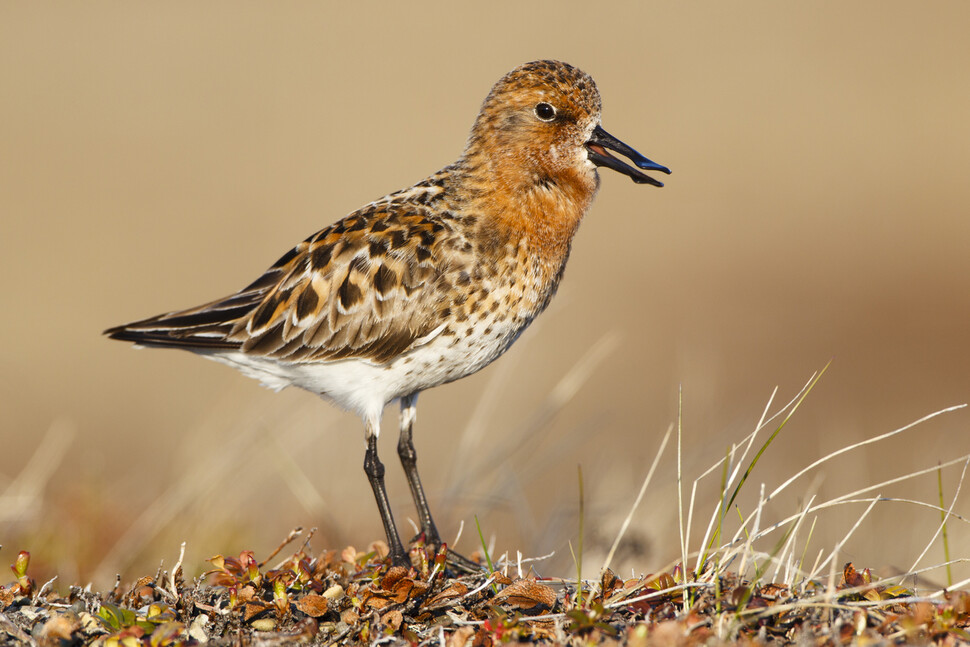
(425, 285)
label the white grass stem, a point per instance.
(690, 521)
(956, 587)
(176, 572)
(654, 594)
(855, 526)
(862, 443)
(765, 422)
(461, 526)
(789, 547)
(680, 489)
(749, 439)
(848, 498)
(830, 585)
(636, 503)
(949, 511)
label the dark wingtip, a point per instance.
(117, 332)
(161, 339)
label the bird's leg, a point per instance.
(375, 474)
(409, 460)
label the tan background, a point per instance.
(157, 155)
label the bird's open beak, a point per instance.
(598, 154)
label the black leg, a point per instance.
(375, 474)
(409, 460)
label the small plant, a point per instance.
(157, 628)
(592, 618)
(24, 585)
(502, 627)
(235, 571)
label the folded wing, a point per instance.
(356, 289)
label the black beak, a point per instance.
(602, 140)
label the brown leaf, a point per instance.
(609, 583)
(922, 613)
(246, 593)
(408, 589)
(392, 619)
(254, 609)
(851, 577)
(313, 605)
(394, 575)
(450, 592)
(524, 594)
(395, 586)
(6, 597)
(328, 560)
(501, 579)
(374, 601)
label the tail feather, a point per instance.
(169, 339)
(205, 328)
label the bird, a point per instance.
(425, 285)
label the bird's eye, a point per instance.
(545, 112)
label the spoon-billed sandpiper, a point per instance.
(426, 285)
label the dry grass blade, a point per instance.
(23, 495)
(529, 433)
(862, 443)
(749, 441)
(684, 531)
(838, 547)
(350, 597)
(775, 433)
(636, 502)
(789, 546)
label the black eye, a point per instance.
(545, 112)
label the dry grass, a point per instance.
(745, 573)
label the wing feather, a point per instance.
(361, 288)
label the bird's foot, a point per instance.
(461, 563)
(453, 560)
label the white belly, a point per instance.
(366, 387)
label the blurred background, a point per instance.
(154, 156)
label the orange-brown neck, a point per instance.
(528, 199)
